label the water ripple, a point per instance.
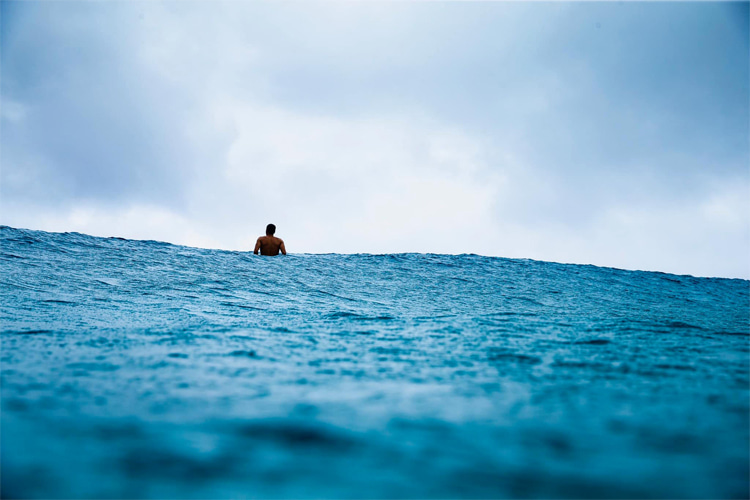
(142, 369)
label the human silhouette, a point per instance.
(269, 244)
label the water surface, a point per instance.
(141, 369)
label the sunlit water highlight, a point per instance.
(142, 369)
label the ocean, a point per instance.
(141, 369)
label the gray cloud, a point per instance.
(613, 134)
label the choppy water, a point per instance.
(143, 369)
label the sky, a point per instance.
(606, 133)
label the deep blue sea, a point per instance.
(141, 369)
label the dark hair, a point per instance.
(270, 229)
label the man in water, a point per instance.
(269, 244)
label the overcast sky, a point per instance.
(608, 133)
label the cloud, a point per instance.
(359, 185)
(591, 133)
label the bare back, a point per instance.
(269, 245)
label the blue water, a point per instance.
(142, 369)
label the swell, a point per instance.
(235, 288)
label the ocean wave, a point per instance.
(143, 369)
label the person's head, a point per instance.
(270, 229)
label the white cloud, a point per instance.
(686, 237)
(388, 184)
(142, 222)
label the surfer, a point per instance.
(269, 244)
